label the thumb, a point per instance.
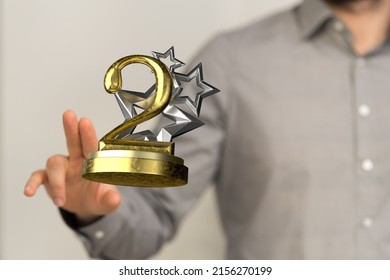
(110, 200)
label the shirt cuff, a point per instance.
(98, 234)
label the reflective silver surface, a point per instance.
(183, 120)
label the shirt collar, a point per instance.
(312, 15)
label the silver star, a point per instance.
(127, 100)
(206, 89)
(145, 135)
(171, 53)
(184, 123)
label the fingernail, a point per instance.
(27, 190)
(58, 201)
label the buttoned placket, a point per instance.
(366, 153)
(365, 159)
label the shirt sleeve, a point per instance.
(148, 217)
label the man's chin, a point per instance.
(346, 2)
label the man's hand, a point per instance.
(62, 176)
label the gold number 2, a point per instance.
(162, 97)
(134, 162)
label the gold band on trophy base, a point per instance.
(151, 166)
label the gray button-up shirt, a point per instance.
(297, 144)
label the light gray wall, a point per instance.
(53, 57)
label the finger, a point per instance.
(37, 178)
(110, 201)
(88, 137)
(56, 172)
(71, 128)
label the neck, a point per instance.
(367, 20)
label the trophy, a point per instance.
(146, 159)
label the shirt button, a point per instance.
(360, 62)
(367, 165)
(99, 234)
(364, 110)
(338, 25)
(367, 222)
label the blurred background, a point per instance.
(54, 55)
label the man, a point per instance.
(296, 143)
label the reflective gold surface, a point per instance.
(113, 83)
(145, 169)
(137, 145)
(136, 162)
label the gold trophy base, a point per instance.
(135, 168)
